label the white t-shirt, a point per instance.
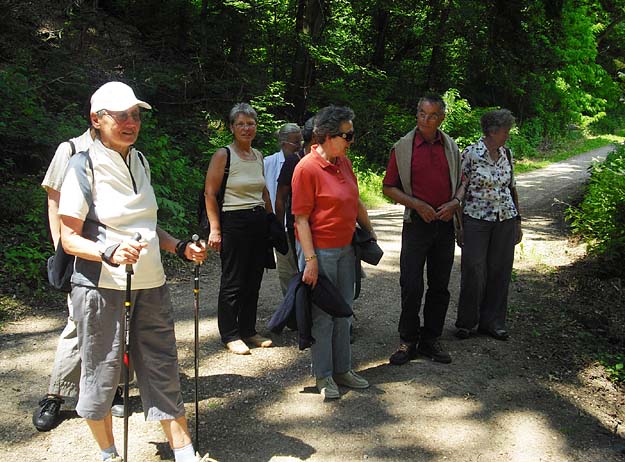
(56, 169)
(114, 200)
(273, 166)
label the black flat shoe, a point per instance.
(497, 334)
(462, 334)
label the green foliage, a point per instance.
(26, 126)
(607, 122)
(24, 245)
(614, 366)
(266, 105)
(369, 182)
(600, 218)
(461, 121)
(175, 181)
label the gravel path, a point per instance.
(497, 401)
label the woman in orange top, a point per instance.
(326, 207)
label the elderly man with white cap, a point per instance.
(106, 198)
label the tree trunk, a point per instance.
(380, 21)
(309, 24)
(440, 15)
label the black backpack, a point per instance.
(60, 266)
(46, 218)
(202, 215)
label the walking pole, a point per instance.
(196, 305)
(126, 355)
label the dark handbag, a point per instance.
(366, 247)
(60, 267)
(276, 238)
(277, 234)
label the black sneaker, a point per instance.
(48, 414)
(404, 353)
(434, 351)
(117, 409)
(462, 333)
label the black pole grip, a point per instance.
(136, 237)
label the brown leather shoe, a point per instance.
(238, 347)
(259, 341)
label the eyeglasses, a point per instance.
(122, 116)
(435, 117)
(242, 125)
(347, 136)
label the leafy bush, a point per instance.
(268, 123)
(175, 181)
(27, 128)
(461, 122)
(614, 366)
(24, 245)
(369, 182)
(600, 219)
(610, 122)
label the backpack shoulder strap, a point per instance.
(141, 158)
(227, 167)
(509, 157)
(73, 146)
(222, 190)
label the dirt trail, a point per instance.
(498, 401)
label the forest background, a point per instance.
(558, 65)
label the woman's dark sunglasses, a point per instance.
(349, 136)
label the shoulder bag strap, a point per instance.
(513, 191)
(224, 180)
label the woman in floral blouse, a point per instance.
(491, 223)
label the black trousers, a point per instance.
(243, 250)
(487, 259)
(422, 244)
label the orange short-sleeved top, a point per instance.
(328, 194)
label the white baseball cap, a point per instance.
(115, 96)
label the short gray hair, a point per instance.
(493, 121)
(286, 130)
(328, 120)
(242, 108)
(432, 98)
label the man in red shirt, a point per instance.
(423, 174)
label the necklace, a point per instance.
(242, 153)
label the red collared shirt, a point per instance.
(430, 171)
(328, 194)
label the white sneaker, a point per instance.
(327, 387)
(351, 379)
(115, 459)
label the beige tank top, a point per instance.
(246, 181)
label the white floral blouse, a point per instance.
(487, 184)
